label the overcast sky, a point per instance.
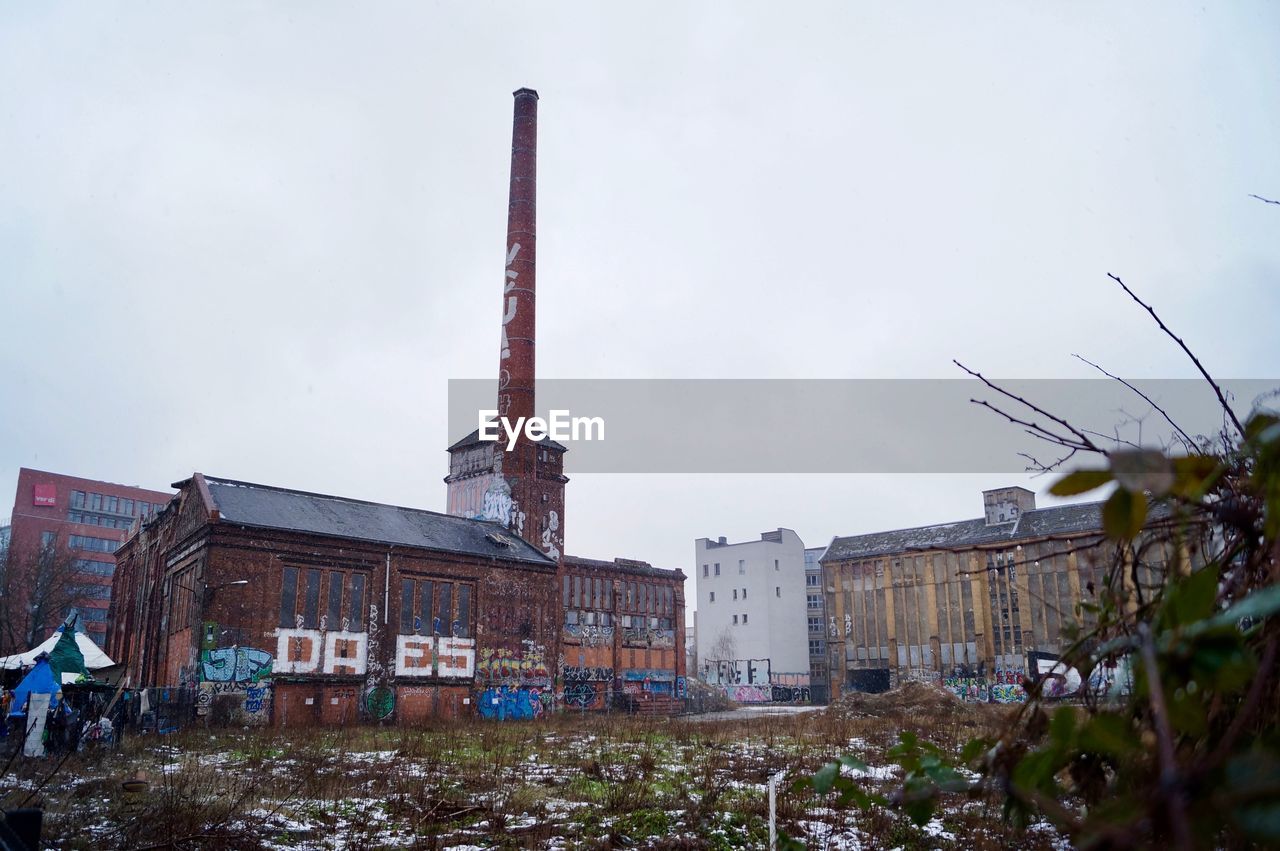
(255, 240)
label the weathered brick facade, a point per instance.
(328, 627)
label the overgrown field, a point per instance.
(563, 782)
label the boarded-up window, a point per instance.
(311, 614)
(288, 597)
(566, 591)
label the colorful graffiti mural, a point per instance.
(234, 665)
(971, 689)
(749, 694)
(527, 667)
(379, 702)
(506, 703)
(584, 695)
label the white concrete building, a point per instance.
(751, 608)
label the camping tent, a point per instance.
(38, 681)
(94, 658)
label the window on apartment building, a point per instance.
(815, 624)
(744, 619)
(713, 597)
(777, 590)
(717, 568)
(77, 499)
(813, 580)
(706, 570)
(735, 620)
(776, 565)
(735, 593)
(95, 502)
(126, 507)
(814, 601)
(97, 568)
(815, 647)
(47, 539)
(744, 593)
(742, 566)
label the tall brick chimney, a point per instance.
(519, 304)
(522, 489)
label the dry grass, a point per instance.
(562, 782)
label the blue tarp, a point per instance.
(38, 681)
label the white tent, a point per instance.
(94, 658)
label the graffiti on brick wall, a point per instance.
(643, 636)
(584, 694)
(682, 688)
(506, 703)
(241, 702)
(789, 694)
(590, 635)
(234, 665)
(749, 694)
(526, 667)
(379, 702)
(432, 656)
(314, 651)
(577, 674)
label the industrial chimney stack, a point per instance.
(522, 489)
(516, 358)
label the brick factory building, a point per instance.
(297, 608)
(63, 537)
(964, 604)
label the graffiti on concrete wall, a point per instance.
(742, 672)
(234, 665)
(749, 694)
(432, 656)
(789, 694)
(313, 651)
(970, 689)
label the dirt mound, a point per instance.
(907, 700)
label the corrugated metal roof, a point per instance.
(1042, 522)
(298, 511)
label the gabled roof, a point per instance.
(473, 439)
(266, 507)
(1060, 520)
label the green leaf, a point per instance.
(852, 763)
(1191, 472)
(973, 749)
(1259, 604)
(1063, 726)
(1191, 598)
(1080, 481)
(825, 777)
(1139, 470)
(1107, 734)
(1123, 514)
(1258, 424)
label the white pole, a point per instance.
(773, 810)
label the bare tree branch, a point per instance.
(1222, 399)
(1264, 200)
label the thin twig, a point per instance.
(1264, 200)
(1222, 399)
(1174, 803)
(1186, 437)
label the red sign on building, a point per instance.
(45, 495)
